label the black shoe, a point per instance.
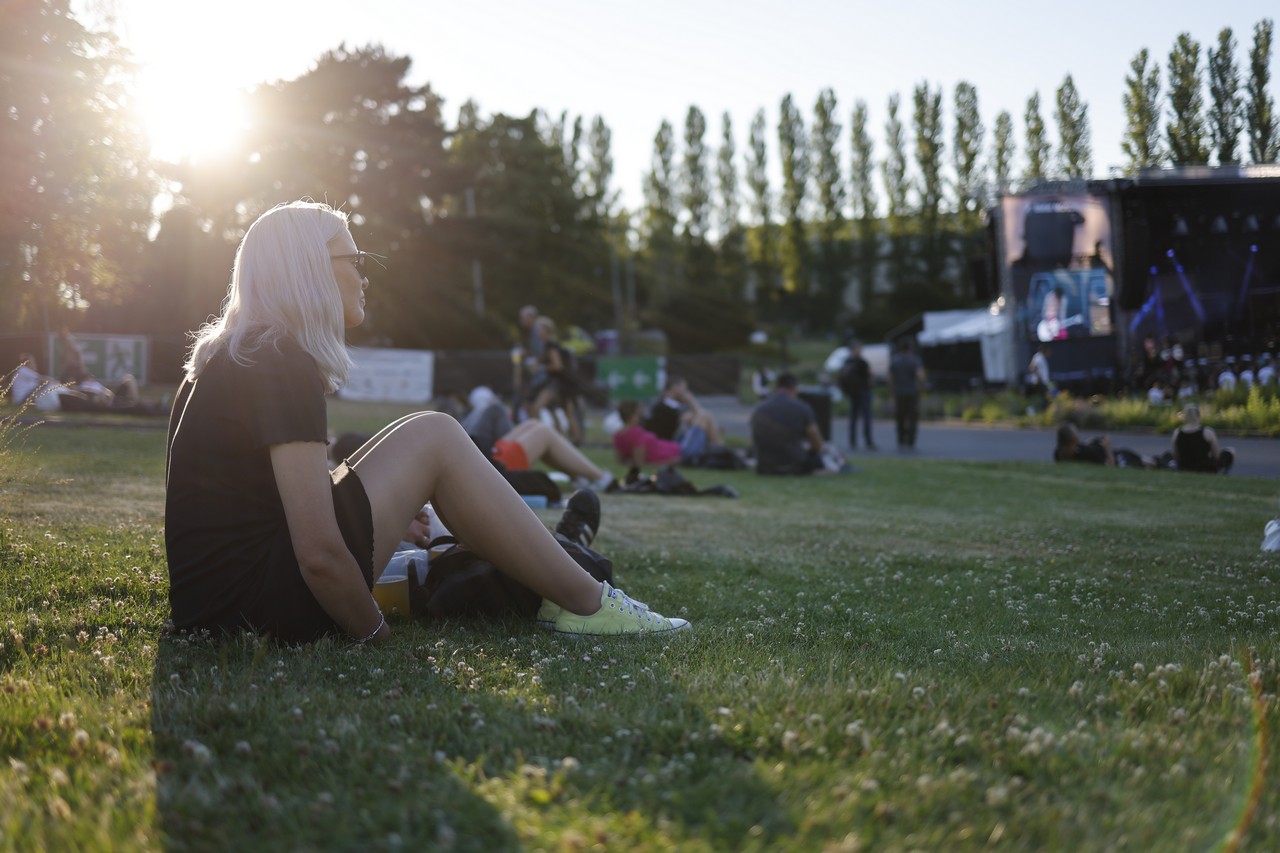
(581, 519)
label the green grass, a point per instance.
(923, 655)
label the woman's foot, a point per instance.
(618, 614)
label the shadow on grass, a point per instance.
(472, 736)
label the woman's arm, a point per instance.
(332, 574)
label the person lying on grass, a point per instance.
(261, 535)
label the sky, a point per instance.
(638, 63)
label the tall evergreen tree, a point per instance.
(1264, 141)
(966, 151)
(1037, 142)
(695, 182)
(1003, 149)
(863, 192)
(929, 145)
(832, 263)
(1224, 97)
(660, 218)
(793, 151)
(897, 190)
(1141, 143)
(762, 247)
(1186, 128)
(1072, 114)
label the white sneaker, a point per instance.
(618, 614)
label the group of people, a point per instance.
(1167, 372)
(74, 389)
(1193, 447)
(546, 375)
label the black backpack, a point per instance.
(462, 584)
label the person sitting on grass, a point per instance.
(638, 447)
(784, 432)
(260, 534)
(677, 412)
(1195, 446)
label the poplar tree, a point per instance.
(1260, 107)
(896, 190)
(1003, 150)
(1141, 143)
(1186, 129)
(695, 197)
(1072, 114)
(966, 149)
(794, 153)
(1224, 99)
(660, 215)
(732, 250)
(762, 246)
(598, 172)
(1037, 143)
(928, 153)
(832, 261)
(863, 192)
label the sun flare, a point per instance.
(189, 118)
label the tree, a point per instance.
(660, 217)
(1037, 143)
(1186, 129)
(863, 191)
(966, 149)
(1003, 148)
(832, 262)
(1141, 143)
(1224, 95)
(695, 198)
(598, 172)
(928, 125)
(1264, 141)
(762, 246)
(74, 170)
(896, 190)
(794, 153)
(1072, 115)
(733, 259)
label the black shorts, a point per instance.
(286, 608)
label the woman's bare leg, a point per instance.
(541, 442)
(707, 421)
(428, 457)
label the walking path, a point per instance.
(1255, 457)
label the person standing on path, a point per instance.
(906, 376)
(855, 382)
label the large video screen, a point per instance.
(1059, 258)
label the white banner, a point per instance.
(390, 376)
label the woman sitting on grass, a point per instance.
(261, 536)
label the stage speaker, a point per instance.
(1051, 235)
(1131, 289)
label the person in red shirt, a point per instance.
(638, 447)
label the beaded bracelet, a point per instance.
(382, 620)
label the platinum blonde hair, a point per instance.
(282, 286)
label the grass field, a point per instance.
(923, 655)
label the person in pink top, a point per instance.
(638, 447)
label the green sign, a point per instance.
(632, 377)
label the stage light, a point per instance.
(1251, 224)
(1155, 271)
(1169, 254)
(1253, 248)
(1178, 267)
(1180, 227)
(1219, 225)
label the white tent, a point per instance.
(990, 331)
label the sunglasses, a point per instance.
(359, 260)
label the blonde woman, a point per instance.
(261, 535)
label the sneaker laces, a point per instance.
(626, 602)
